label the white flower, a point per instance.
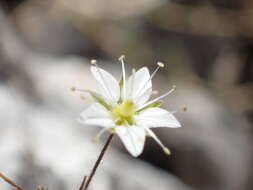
(125, 109)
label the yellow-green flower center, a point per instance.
(123, 113)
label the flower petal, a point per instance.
(133, 138)
(108, 85)
(156, 117)
(98, 115)
(139, 86)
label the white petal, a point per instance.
(133, 138)
(98, 115)
(156, 117)
(108, 85)
(139, 86)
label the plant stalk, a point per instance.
(93, 171)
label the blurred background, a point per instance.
(207, 47)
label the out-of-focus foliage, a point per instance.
(207, 46)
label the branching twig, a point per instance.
(98, 161)
(11, 182)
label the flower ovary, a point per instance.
(123, 113)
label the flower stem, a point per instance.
(83, 183)
(12, 183)
(98, 161)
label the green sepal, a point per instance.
(98, 99)
(152, 105)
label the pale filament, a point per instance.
(152, 134)
(151, 77)
(79, 90)
(160, 97)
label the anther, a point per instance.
(73, 89)
(122, 57)
(166, 151)
(160, 64)
(93, 61)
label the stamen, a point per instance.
(160, 64)
(121, 59)
(74, 89)
(100, 133)
(94, 62)
(152, 134)
(160, 97)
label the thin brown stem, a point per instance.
(83, 183)
(12, 183)
(98, 161)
